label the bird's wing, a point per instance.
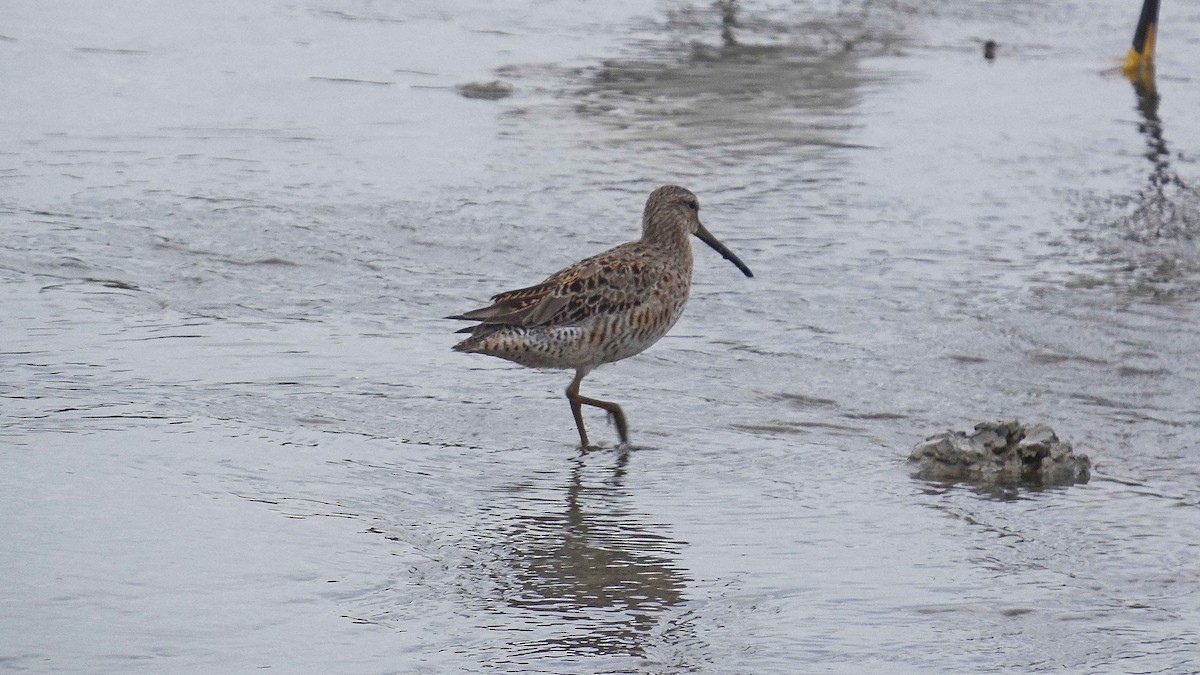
(610, 282)
(510, 307)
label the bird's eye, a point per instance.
(692, 205)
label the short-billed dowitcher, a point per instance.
(601, 309)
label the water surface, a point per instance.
(233, 435)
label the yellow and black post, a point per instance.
(1139, 62)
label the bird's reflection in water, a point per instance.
(590, 572)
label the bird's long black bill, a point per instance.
(708, 238)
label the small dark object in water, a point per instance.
(1001, 453)
(488, 91)
(989, 49)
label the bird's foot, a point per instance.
(617, 418)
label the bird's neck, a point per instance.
(664, 233)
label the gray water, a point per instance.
(233, 436)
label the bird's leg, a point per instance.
(577, 401)
(614, 411)
(577, 408)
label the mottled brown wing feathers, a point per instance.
(532, 306)
(606, 283)
(524, 296)
(509, 307)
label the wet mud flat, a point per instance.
(233, 434)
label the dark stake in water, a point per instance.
(233, 435)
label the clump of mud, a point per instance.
(1001, 453)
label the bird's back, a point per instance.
(601, 309)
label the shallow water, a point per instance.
(233, 435)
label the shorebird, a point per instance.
(601, 309)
